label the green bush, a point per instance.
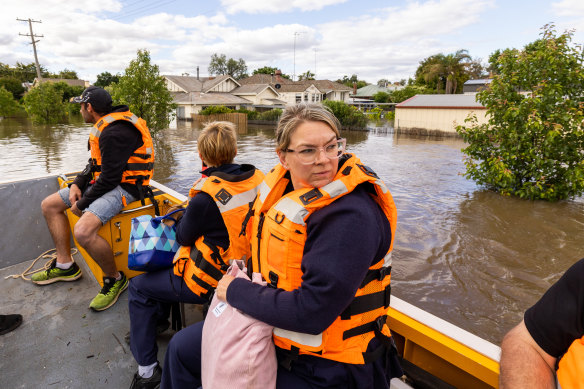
(271, 115)
(349, 116)
(215, 109)
(8, 106)
(251, 115)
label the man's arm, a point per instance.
(523, 363)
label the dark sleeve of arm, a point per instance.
(336, 258)
(194, 222)
(117, 145)
(555, 321)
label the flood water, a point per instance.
(469, 256)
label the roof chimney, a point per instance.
(197, 72)
(278, 76)
(354, 88)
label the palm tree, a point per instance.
(444, 70)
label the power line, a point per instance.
(32, 36)
(142, 10)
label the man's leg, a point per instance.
(53, 208)
(63, 268)
(86, 232)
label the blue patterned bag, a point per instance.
(152, 243)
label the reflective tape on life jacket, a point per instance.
(571, 367)
(278, 239)
(140, 165)
(203, 265)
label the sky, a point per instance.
(373, 39)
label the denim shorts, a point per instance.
(105, 207)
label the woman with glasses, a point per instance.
(322, 231)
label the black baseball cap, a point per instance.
(99, 98)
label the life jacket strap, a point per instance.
(376, 274)
(367, 303)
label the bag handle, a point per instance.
(158, 219)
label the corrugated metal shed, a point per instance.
(441, 101)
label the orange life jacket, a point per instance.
(140, 165)
(203, 266)
(571, 367)
(278, 239)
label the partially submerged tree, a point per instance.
(144, 90)
(8, 106)
(533, 143)
(44, 104)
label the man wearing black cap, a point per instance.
(121, 164)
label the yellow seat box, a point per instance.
(117, 231)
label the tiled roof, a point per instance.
(194, 84)
(441, 101)
(250, 89)
(212, 98)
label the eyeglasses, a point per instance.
(308, 155)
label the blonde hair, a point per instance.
(217, 143)
(295, 115)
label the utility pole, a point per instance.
(32, 36)
(314, 63)
(296, 33)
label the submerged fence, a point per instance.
(239, 119)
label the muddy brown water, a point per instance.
(469, 256)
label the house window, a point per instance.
(318, 97)
(298, 97)
(306, 97)
(313, 97)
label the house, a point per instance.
(193, 94)
(437, 114)
(362, 98)
(293, 92)
(474, 86)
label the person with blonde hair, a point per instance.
(322, 233)
(209, 237)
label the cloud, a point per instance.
(275, 6)
(569, 8)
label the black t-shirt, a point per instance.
(557, 319)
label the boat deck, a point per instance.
(61, 342)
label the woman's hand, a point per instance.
(221, 290)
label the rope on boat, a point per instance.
(51, 255)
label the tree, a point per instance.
(236, 69)
(45, 104)
(384, 82)
(8, 106)
(68, 74)
(532, 145)
(352, 80)
(27, 73)
(220, 65)
(270, 70)
(106, 79)
(144, 90)
(399, 95)
(444, 72)
(308, 75)
(381, 97)
(12, 85)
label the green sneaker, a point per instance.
(109, 293)
(54, 274)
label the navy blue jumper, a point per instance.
(343, 240)
(151, 293)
